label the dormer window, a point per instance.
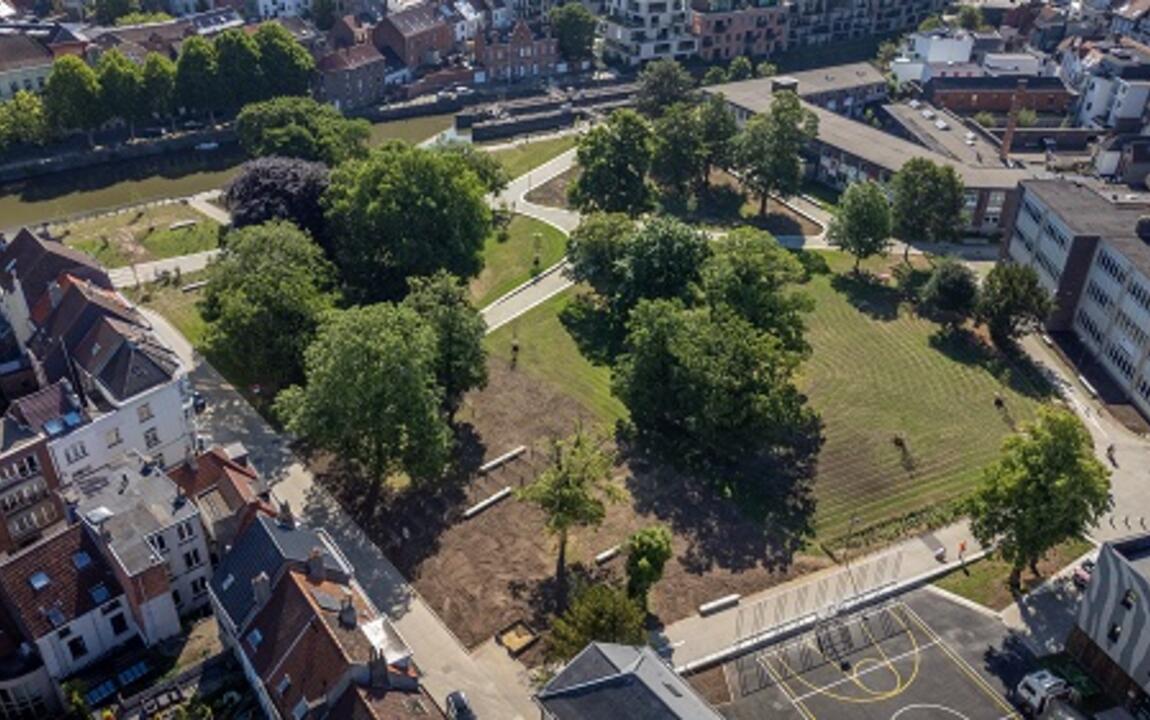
(283, 685)
(1128, 599)
(255, 637)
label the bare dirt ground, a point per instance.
(482, 574)
(712, 685)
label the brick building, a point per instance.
(418, 35)
(520, 53)
(352, 77)
(995, 94)
(726, 29)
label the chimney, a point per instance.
(377, 671)
(347, 613)
(1016, 101)
(261, 589)
(285, 517)
(315, 570)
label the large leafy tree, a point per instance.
(717, 130)
(264, 299)
(928, 202)
(72, 96)
(597, 251)
(1012, 302)
(679, 160)
(767, 151)
(1046, 488)
(574, 27)
(461, 360)
(371, 394)
(861, 224)
(740, 68)
(951, 290)
(709, 387)
(159, 85)
(662, 261)
(489, 170)
(300, 127)
(614, 159)
(404, 211)
(23, 119)
(573, 492)
(275, 188)
(241, 76)
(600, 613)
(109, 11)
(122, 88)
(648, 551)
(197, 76)
(750, 273)
(662, 84)
(286, 66)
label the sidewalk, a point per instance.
(695, 638)
(131, 275)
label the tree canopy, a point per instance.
(574, 27)
(862, 223)
(276, 188)
(662, 84)
(23, 119)
(600, 613)
(197, 76)
(740, 68)
(241, 76)
(952, 290)
(1046, 488)
(597, 249)
(614, 158)
(679, 159)
(121, 87)
(1012, 302)
(717, 128)
(489, 170)
(767, 151)
(159, 85)
(371, 395)
(404, 211)
(461, 359)
(264, 299)
(301, 127)
(928, 201)
(72, 97)
(648, 551)
(286, 66)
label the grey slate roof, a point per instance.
(608, 680)
(266, 546)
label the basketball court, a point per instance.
(883, 663)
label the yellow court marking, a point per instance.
(857, 672)
(900, 687)
(962, 664)
(787, 690)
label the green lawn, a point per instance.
(877, 370)
(528, 155)
(985, 581)
(508, 264)
(548, 351)
(142, 235)
(413, 130)
(179, 307)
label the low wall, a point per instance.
(498, 129)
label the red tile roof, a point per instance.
(68, 592)
(216, 471)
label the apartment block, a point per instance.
(638, 31)
(726, 29)
(1086, 247)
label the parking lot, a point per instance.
(884, 663)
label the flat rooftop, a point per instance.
(1091, 209)
(956, 141)
(1136, 552)
(811, 82)
(130, 507)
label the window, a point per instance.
(1120, 359)
(119, 624)
(1096, 294)
(186, 531)
(199, 586)
(151, 438)
(192, 558)
(77, 647)
(176, 597)
(113, 437)
(1112, 267)
(255, 637)
(299, 712)
(1128, 599)
(81, 560)
(75, 453)
(144, 412)
(1115, 632)
(39, 580)
(283, 685)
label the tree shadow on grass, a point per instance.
(1012, 368)
(869, 295)
(540, 595)
(814, 263)
(759, 512)
(594, 328)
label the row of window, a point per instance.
(1087, 323)
(78, 646)
(1141, 294)
(24, 495)
(1099, 296)
(1144, 388)
(25, 466)
(1032, 212)
(1128, 326)
(33, 520)
(1058, 237)
(76, 452)
(1120, 359)
(1112, 266)
(1045, 263)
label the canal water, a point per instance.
(106, 187)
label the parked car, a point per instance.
(1038, 689)
(458, 708)
(1082, 574)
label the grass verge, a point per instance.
(985, 581)
(141, 235)
(413, 130)
(509, 263)
(529, 155)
